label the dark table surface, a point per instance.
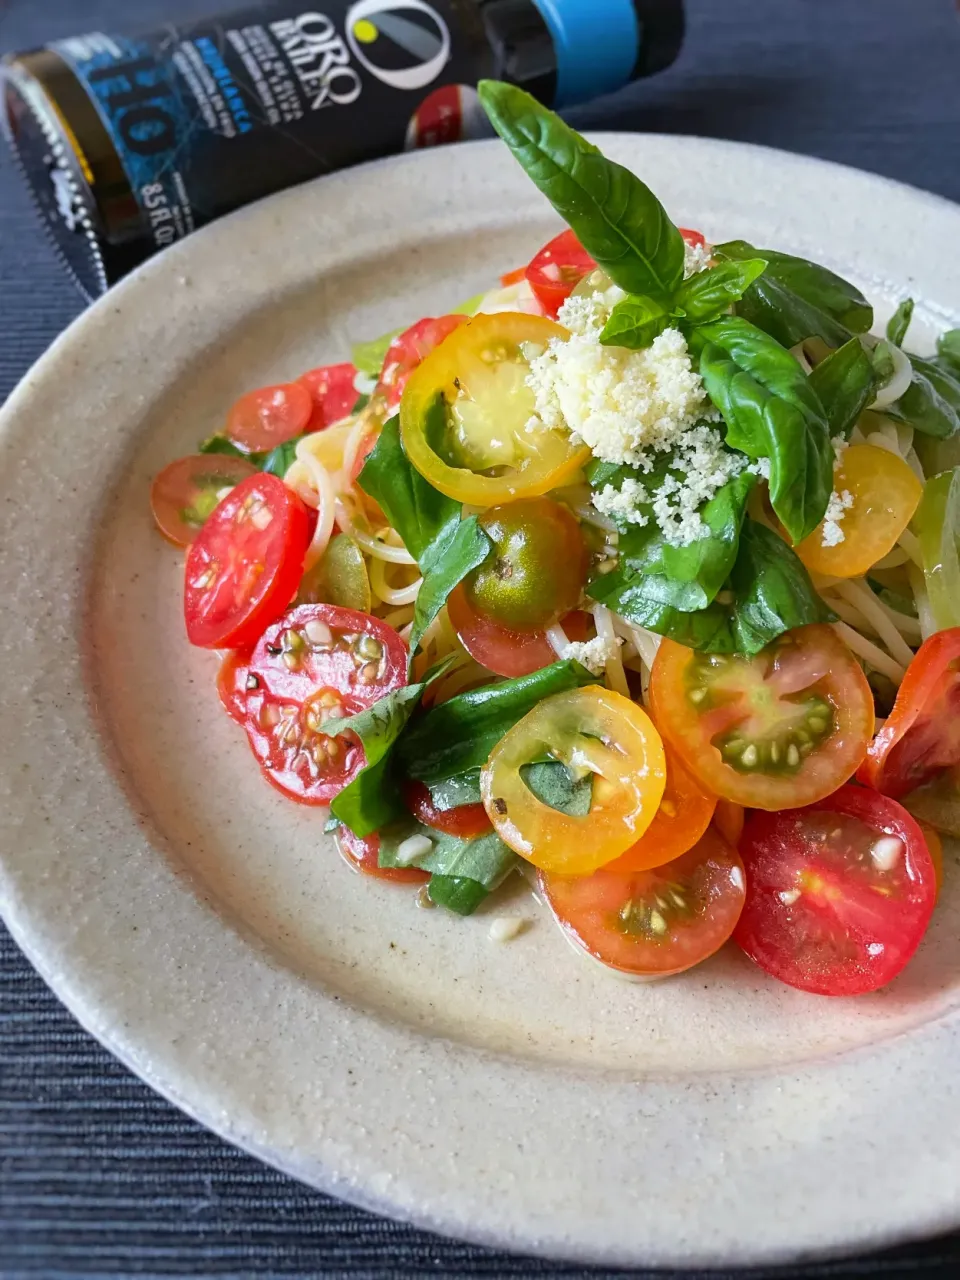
(99, 1176)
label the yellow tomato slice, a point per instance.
(885, 495)
(587, 730)
(465, 410)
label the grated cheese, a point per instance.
(837, 508)
(593, 654)
(696, 257)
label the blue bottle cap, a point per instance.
(602, 44)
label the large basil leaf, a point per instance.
(457, 893)
(845, 384)
(551, 783)
(634, 322)
(484, 859)
(771, 411)
(796, 299)
(708, 294)
(444, 566)
(948, 350)
(899, 322)
(459, 734)
(927, 402)
(617, 218)
(625, 593)
(421, 515)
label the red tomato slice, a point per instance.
(513, 277)
(729, 818)
(245, 564)
(232, 684)
(693, 238)
(318, 663)
(653, 923)
(684, 815)
(187, 491)
(922, 732)
(505, 652)
(556, 271)
(362, 854)
(409, 349)
(269, 416)
(332, 393)
(839, 894)
(465, 820)
(781, 729)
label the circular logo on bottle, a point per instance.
(404, 43)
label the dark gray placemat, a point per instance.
(98, 1175)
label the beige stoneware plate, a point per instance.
(205, 930)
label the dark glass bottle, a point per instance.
(130, 143)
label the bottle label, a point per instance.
(208, 117)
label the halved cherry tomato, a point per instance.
(269, 416)
(232, 684)
(588, 729)
(684, 815)
(318, 663)
(409, 349)
(693, 238)
(245, 564)
(332, 391)
(653, 923)
(937, 802)
(536, 568)
(555, 271)
(921, 735)
(465, 411)
(839, 894)
(935, 849)
(186, 492)
(778, 730)
(513, 277)
(728, 818)
(464, 820)
(362, 854)
(885, 495)
(505, 652)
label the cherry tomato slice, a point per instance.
(513, 277)
(937, 802)
(465, 820)
(653, 923)
(693, 238)
(684, 815)
(362, 853)
(332, 393)
(885, 493)
(729, 818)
(921, 735)
(407, 351)
(556, 270)
(781, 729)
(585, 729)
(839, 894)
(245, 564)
(318, 663)
(507, 653)
(935, 849)
(269, 416)
(187, 491)
(233, 684)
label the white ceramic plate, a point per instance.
(204, 928)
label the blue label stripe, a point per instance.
(596, 42)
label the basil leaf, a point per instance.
(899, 322)
(881, 359)
(771, 411)
(948, 350)
(368, 357)
(278, 460)
(485, 859)
(599, 474)
(373, 797)
(456, 893)
(459, 734)
(796, 299)
(361, 402)
(845, 384)
(626, 593)
(220, 444)
(924, 404)
(635, 322)
(772, 589)
(444, 567)
(450, 793)
(708, 294)
(552, 784)
(420, 514)
(941, 376)
(617, 218)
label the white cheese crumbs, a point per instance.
(886, 853)
(593, 654)
(696, 257)
(837, 508)
(840, 447)
(623, 404)
(412, 848)
(506, 928)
